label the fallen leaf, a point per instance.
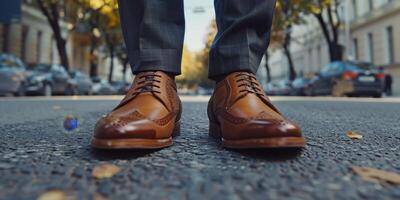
(354, 135)
(376, 175)
(54, 195)
(99, 197)
(105, 171)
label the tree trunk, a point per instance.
(93, 58)
(286, 49)
(51, 12)
(124, 68)
(267, 68)
(335, 49)
(110, 74)
(62, 50)
(335, 52)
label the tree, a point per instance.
(288, 13)
(276, 40)
(88, 18)
(104, 22)
(122, 56)
(110, 29)
(54, 11)
(191, 70)
(327, 14)
(203, 56)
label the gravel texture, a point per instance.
(37, 155)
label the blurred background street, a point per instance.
(334, 48)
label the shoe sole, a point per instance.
(131, 143)
(284, 142)
(135, 143)
(258, 143)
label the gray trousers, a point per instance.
(154, 32)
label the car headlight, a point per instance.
(36, 80)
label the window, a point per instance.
(6, 31)
(355, 9)
(355, 48)
(24, 38)
(38, 46)
(51, 49)
(389, 45)
(370, 5)
(319, 55)
(370, 47)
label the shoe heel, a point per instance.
(214, 130)
(177, 129)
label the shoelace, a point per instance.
(248, 83)
(147, 83)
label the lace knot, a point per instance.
(248, 83)
(147, 82)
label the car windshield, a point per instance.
(42, 68)
(299, 82)
(6, 60)
(357, 66)
(96, 80)
(78, 75)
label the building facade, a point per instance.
(370, 32)
(31, 39)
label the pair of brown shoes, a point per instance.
(240, 114)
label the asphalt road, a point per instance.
(38, 155)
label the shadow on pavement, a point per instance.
(275, 155)
(116, 154)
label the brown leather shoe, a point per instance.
(145, 119)
(243, 117)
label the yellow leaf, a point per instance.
(99, 197)
(315, 9)
(105, 171)
(376, 175)
(54, 195)
(354, 135)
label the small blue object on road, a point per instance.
(70, 123)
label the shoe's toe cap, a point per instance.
(114, 128)
(263, 129)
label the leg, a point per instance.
(240, 113)
(149, 115)
(153, 32)
(243, 35)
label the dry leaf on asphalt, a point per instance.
(54, 195)
(99, 197)
(105, 171)
(354, 135)
(376, 175)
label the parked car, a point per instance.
(83, 81)
(349, 78)
(102, 87)
(283, 87)
(50, 79)
(308, 91)
(12, 75)
(204, 91)
(299, 87)
(121, 87)
(271, 89)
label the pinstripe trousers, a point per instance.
(154, 32)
